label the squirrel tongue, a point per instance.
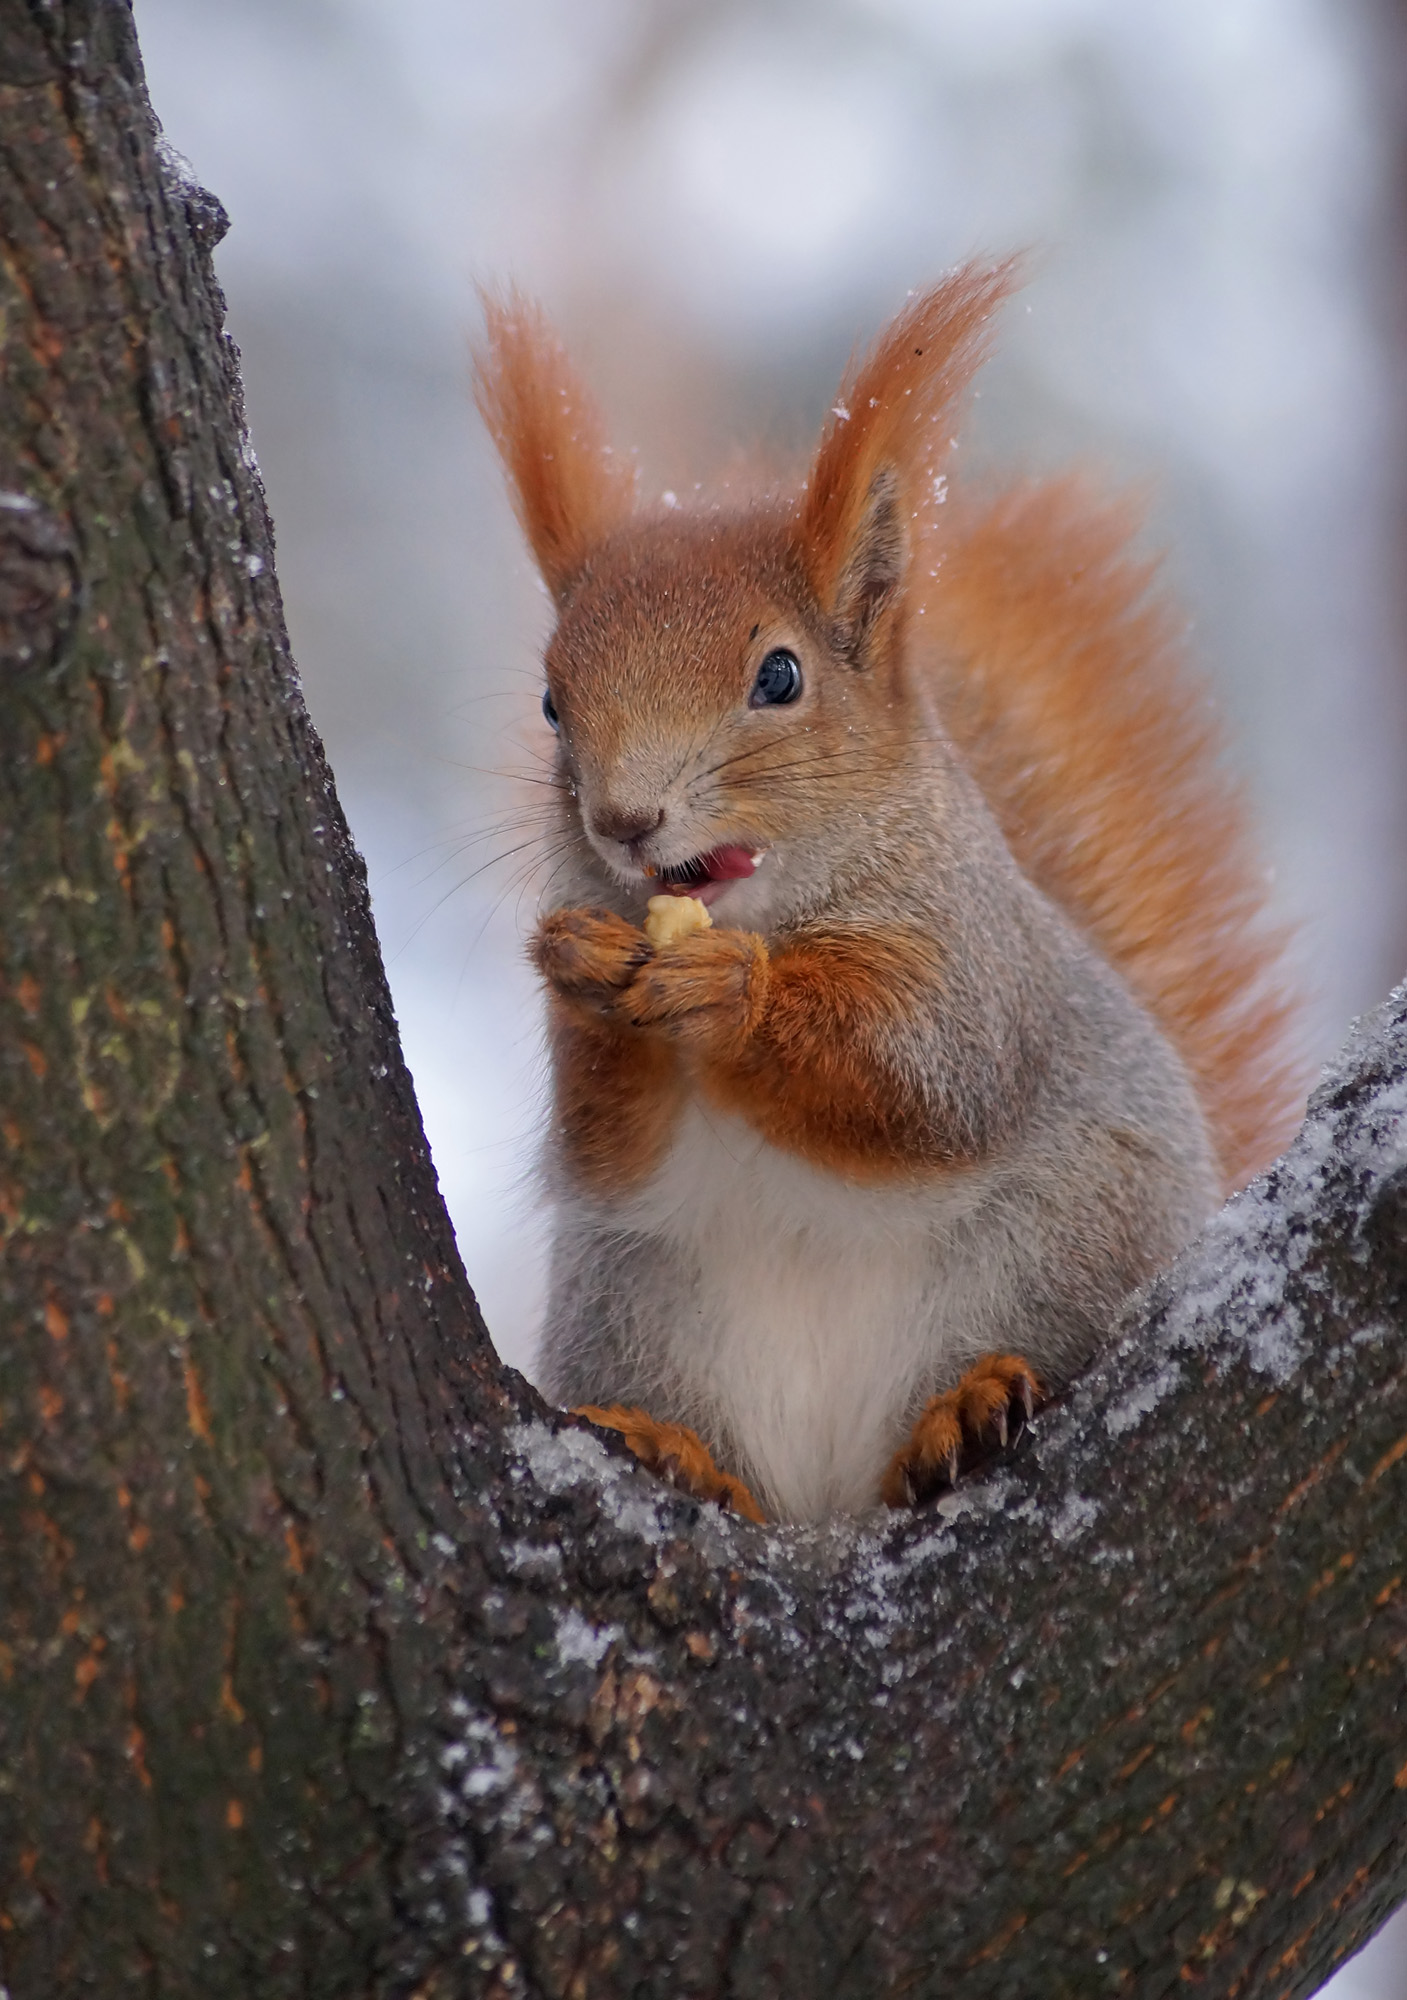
(708, 875)
(729, 864)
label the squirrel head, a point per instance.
(728, 684)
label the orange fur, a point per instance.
(1055, 673)
(780, 1038)
(893, 414)
(804, 1080)
(708, 990)
(995, 1392)
(569, 489)
(677, 1454)
(617, 1093)
(1061, 682)
(588, 956)
(617, 1097)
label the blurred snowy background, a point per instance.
(717, 199)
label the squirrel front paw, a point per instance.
(677, 1454)
(990, 1405)
(706, 990)
(589, 956)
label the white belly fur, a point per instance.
(824, 1308)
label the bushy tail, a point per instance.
(1066, 692)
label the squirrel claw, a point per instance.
(677, 1454)
(994, 1401)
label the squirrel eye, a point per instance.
(778, 680)
(548, 710)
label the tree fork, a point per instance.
(331, 1662)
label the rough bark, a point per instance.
(331, 1662)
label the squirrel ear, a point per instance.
(569, 489)
(872, 566)
(886, 438)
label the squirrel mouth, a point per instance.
(706, 876)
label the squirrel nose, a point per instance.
(625, 823)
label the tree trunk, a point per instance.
(331, 1662)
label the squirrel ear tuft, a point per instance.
(569, 490)
(887, 437)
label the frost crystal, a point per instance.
(1131, 1409)
(580, 1642)
(1075, 1517)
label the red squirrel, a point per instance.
(987, 1021)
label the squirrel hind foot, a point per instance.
(676, 1454)
(961, 1429)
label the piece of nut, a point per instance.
(673, 917)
